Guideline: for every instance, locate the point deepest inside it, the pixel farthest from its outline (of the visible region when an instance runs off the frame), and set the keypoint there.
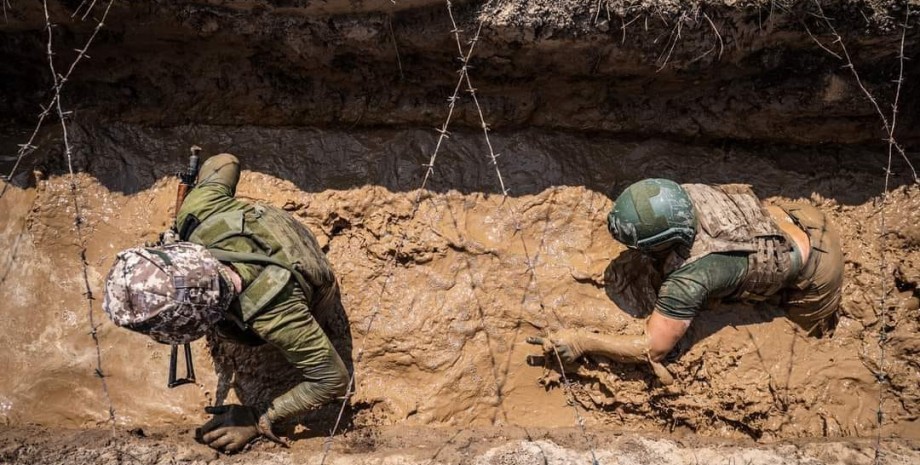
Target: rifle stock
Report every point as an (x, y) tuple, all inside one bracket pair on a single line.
[(181, 192)]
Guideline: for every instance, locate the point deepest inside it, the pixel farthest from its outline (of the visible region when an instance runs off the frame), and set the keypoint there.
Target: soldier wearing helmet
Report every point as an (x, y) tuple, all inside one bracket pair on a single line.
[(252, 274), (715, 242)]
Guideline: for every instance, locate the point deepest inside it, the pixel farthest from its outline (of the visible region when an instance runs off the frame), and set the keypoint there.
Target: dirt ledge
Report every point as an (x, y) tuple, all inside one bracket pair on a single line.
[(691, 69), (379, 446)]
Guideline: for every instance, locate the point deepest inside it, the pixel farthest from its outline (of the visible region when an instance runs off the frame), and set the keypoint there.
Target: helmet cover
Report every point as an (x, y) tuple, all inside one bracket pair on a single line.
[(172, 293)]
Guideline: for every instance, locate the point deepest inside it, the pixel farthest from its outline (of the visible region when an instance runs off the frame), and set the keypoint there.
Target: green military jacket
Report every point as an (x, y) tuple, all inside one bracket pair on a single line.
[(282, 269)]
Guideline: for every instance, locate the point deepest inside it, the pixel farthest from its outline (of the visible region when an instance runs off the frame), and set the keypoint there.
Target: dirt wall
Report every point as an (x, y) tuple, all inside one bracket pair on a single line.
[(753, 70)]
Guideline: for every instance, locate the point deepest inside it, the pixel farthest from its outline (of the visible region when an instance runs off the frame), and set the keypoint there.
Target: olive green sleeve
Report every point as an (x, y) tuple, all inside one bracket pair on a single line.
[(288, 325)]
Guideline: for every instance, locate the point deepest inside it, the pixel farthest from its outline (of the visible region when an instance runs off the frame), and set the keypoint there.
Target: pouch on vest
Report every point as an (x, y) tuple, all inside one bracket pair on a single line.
[(286, 249), (732, 219)]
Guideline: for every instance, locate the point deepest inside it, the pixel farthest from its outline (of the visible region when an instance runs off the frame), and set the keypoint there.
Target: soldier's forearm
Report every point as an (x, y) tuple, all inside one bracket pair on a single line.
[(307, 396), (623, 349), (289, 326), (663, 334)]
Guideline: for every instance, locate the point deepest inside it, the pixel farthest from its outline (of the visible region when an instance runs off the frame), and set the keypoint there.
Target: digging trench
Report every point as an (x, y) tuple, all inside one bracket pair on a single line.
[(331, 106)]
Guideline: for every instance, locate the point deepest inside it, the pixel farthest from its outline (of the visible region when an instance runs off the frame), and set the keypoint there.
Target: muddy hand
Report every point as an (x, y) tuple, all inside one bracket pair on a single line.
[(563, 343), (231, 429)]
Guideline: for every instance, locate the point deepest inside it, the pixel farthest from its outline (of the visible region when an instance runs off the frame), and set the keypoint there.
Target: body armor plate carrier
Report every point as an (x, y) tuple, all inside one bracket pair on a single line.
[(286, 249), (732, 219)]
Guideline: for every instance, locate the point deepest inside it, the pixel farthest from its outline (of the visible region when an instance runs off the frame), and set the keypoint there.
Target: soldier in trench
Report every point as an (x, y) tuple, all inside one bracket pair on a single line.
[(250, 273), (714, 243)]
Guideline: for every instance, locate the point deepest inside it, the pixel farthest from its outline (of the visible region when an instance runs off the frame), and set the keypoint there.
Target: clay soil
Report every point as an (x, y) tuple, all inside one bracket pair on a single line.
[(442, 286), (447, 344)]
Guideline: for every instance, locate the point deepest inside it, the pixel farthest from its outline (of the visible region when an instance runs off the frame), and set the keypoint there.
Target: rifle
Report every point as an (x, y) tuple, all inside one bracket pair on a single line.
[(186, 182)]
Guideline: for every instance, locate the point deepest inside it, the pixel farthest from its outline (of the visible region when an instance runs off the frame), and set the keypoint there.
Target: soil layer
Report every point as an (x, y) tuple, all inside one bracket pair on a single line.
[(713, 69), (437, 446)]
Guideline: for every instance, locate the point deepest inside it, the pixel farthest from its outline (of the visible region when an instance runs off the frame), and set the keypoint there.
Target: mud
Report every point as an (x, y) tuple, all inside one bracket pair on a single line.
[(435, 446), (448, 344)]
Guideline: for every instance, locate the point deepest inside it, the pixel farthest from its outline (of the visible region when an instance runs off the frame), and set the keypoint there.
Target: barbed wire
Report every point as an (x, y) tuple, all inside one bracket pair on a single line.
[(472, 91), (59, 80), (881, 376), (389, 267), (78, 215), (515, 215), (886, 124)]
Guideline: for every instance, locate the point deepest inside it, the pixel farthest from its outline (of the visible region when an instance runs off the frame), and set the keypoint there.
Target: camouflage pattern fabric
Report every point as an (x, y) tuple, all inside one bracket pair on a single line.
[(305, 324), (732, 219), (172, 293)]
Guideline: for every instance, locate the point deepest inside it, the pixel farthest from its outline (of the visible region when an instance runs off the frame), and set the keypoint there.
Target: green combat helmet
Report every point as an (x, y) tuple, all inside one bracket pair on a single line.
[(653, 215), (172, 293)]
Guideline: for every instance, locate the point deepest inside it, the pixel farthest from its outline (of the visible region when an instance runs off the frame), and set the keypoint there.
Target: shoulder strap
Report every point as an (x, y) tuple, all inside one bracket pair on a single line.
[(248, 257)]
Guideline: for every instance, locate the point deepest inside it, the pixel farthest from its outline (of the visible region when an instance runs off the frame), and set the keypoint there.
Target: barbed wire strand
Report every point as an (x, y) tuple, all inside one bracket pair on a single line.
[(87, 12), (443, 134), (579, 420), (881, 376), (29, 147), (889, 125), (78, 215), (78, 225), (472, 91), (886, 124)]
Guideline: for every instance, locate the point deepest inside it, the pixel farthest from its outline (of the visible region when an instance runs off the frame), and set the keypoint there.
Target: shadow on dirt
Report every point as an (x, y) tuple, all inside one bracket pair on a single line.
[(129, 159)]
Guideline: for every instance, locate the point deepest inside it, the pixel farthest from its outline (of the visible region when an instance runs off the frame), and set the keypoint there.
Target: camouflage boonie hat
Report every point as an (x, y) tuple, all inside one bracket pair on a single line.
[(172, 293)]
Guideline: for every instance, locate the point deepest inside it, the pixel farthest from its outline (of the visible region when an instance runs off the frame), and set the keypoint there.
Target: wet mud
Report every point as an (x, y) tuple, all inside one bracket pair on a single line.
[(447, 346)]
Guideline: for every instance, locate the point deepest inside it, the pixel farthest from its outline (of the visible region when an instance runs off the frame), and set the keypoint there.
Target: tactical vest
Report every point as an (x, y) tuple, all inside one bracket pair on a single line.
[(732, 219), (286, 249)]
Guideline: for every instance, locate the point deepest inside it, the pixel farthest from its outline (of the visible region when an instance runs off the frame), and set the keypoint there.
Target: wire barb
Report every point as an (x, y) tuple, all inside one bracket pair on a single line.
[(29, 147), (79, 222), (889, 125)]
